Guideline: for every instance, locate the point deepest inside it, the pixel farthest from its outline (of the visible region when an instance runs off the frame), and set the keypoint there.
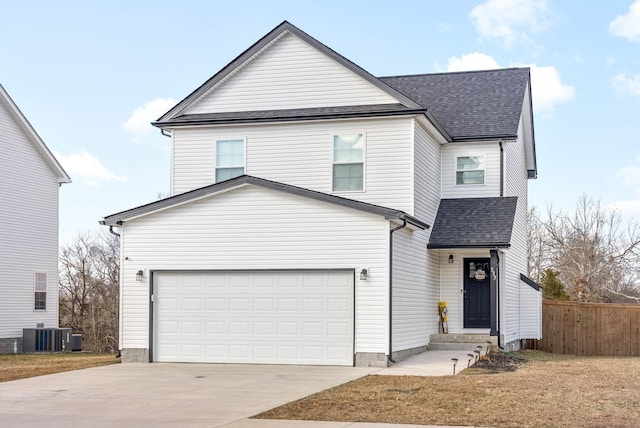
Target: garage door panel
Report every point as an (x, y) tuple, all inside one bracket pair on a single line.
[(263, 304), (302, 317)]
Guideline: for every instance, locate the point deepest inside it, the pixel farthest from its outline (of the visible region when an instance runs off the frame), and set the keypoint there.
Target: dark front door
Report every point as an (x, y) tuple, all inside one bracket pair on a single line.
[(477, 313)]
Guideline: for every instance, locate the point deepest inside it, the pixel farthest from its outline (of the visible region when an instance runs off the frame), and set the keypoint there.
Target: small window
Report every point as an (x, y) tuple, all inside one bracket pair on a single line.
[(348, 162), (229, 159), (40, 289), (470, 170)]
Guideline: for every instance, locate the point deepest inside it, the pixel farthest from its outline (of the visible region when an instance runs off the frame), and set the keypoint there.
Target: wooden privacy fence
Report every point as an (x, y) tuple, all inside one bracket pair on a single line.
[(590, 328)]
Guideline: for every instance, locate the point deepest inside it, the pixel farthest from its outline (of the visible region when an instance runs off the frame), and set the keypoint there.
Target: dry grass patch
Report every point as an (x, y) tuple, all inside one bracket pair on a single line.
[(20, 366), (542, 391)]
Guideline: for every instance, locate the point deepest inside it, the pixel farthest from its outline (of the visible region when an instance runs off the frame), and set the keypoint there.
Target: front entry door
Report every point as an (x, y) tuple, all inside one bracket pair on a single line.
[(477, 312)]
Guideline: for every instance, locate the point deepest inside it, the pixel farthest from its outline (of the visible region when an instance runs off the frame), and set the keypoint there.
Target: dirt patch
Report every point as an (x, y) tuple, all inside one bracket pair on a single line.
[(20, 366), (496, 363), (541, 392)]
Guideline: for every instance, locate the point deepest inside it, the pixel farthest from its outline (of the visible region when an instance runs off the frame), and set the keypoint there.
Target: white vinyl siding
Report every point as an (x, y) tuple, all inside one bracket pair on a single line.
[(252, 228), (415, 290), (29, 231), (290, 74), (300, 154), (451, 152), (530, 313), (416, 270), (516, 182)]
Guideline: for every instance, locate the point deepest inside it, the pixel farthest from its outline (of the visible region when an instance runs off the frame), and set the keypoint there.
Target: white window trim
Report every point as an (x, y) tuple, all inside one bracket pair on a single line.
[(215, 155), (364, 161), (455, 169), (37, 289)]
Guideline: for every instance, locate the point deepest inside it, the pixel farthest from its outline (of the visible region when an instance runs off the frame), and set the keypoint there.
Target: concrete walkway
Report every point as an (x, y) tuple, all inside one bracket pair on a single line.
[(193, 395), (430, 363)]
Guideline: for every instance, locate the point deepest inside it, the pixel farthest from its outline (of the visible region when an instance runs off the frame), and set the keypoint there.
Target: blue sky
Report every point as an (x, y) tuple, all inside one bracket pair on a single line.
[(89, 76)]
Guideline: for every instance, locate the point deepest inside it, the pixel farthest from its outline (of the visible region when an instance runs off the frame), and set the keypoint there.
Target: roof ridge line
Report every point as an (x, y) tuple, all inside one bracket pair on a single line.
[(454, 72)]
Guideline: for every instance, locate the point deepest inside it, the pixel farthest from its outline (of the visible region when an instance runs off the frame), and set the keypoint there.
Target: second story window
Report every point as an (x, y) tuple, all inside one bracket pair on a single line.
[(348, 162), (229, 159), (470, 170)]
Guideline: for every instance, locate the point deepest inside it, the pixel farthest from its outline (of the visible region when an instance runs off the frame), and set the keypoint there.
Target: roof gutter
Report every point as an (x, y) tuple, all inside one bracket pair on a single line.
[(501, 168), (505, 138), (328, 116), (112, 232), (494, 295), (490, 245)]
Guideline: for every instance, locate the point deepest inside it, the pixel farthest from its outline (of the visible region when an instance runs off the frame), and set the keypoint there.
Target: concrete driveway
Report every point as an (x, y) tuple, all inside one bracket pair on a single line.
[(158, 395)]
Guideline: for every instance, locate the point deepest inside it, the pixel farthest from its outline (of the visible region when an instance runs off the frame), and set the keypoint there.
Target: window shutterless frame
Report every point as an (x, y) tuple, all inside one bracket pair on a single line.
[(348, 154), (230, 158), (40, 291), (470, 169)]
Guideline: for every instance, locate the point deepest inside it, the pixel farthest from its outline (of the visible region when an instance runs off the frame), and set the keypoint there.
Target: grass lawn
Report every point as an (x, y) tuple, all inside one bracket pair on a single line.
[(20, 366), (525, 389)]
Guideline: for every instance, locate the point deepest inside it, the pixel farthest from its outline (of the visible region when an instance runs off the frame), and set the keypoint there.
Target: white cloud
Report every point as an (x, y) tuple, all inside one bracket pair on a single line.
[(627, 25), (628, 210), (139, 123), (472, 61), (631, 176), (511, 20), (546, 84), (87, 169), (627, 84), (548, 89)]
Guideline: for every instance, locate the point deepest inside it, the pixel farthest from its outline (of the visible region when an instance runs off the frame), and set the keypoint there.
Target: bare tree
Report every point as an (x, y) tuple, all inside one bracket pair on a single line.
[(537, 243), (591, 251), (89, 290)]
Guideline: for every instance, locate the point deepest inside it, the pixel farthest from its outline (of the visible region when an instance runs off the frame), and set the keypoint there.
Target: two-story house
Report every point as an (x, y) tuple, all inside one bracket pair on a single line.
[(319, 214), (30, 177)]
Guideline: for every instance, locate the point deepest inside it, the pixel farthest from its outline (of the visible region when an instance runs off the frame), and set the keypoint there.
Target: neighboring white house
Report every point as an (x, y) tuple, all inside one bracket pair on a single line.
[(30, 177), (319, 214)]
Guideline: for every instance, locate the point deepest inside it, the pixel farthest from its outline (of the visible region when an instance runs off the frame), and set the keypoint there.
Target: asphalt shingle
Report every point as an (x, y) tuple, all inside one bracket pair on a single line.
[(473, 223), (472, 104)]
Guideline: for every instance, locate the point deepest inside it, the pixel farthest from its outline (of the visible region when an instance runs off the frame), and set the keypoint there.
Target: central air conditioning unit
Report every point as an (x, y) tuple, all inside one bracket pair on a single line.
[(46, 340)]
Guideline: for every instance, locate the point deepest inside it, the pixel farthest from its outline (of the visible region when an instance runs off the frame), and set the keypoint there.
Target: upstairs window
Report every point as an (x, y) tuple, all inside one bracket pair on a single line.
[(348, 162), (229, 159), (40, 291), (470, 170)]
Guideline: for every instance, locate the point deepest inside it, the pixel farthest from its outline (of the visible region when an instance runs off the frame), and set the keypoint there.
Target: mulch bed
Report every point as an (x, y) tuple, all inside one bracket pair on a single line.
[(496, 363)]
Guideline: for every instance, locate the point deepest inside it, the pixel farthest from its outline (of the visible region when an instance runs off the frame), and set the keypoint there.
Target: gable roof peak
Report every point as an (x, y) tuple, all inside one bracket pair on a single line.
[(33, 137), (263, 43)]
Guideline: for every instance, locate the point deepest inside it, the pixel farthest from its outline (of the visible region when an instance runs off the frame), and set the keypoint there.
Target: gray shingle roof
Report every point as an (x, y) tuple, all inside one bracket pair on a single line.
[(473, 223), (472, 104), (388, 213)]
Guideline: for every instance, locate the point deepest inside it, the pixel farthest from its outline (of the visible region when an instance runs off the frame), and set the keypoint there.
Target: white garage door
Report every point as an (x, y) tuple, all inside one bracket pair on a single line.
[(283, 317)]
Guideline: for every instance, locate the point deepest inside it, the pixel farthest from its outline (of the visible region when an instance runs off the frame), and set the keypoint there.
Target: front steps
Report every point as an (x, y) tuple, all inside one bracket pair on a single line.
[(461, 342)]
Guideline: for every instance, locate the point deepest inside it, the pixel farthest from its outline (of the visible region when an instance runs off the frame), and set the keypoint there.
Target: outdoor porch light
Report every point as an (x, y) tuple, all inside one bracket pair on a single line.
[(139, 275), (363, 274), (450, 258)]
